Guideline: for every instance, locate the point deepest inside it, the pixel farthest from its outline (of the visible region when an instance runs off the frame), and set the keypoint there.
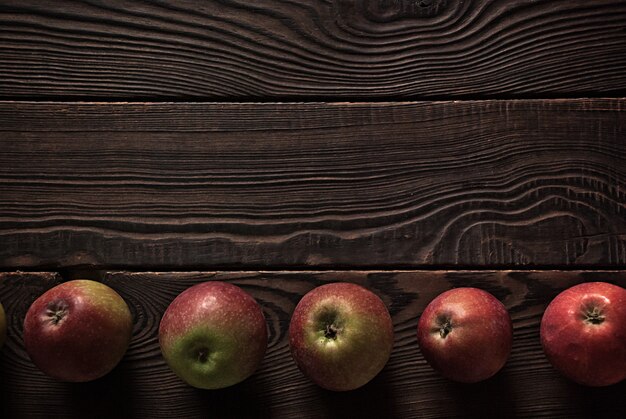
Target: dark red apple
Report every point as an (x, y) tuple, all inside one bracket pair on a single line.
[(77, 331), (213, 335), (466, 334), (583, 333), (341, 336)]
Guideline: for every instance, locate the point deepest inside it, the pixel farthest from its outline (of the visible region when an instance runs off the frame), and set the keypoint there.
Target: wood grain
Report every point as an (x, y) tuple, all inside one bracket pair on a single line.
[(179, 49), (142, 386), (201, 186)]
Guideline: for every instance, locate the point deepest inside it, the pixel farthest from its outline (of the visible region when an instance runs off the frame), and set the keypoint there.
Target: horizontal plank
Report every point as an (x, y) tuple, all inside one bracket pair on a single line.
[(471, 183), (142, 386), (205, 186), (311, 48)]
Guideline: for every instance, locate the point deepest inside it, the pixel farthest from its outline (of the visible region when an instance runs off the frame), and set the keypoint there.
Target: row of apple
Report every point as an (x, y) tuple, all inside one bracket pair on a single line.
[(214, 335)]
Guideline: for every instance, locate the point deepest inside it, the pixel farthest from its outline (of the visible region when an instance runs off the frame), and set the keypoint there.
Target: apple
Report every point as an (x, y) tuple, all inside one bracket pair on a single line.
[(583, 333), (466, 334), (213, 335), (3, 326), (77, 331), (340, 336)]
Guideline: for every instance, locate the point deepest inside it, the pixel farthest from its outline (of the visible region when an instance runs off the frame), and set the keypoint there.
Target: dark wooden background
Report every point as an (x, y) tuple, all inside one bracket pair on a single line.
[(408, 145), (268, 49)]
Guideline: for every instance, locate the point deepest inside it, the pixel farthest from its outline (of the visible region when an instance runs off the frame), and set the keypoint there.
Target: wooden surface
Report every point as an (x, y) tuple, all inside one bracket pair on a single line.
[(331, 164), (179, 49), (142, 386), (199, 186)]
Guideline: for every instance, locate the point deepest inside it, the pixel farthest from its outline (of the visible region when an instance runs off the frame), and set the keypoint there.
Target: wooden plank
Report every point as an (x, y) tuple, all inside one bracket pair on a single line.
[(200, 186), (311, 48), (142, 385)]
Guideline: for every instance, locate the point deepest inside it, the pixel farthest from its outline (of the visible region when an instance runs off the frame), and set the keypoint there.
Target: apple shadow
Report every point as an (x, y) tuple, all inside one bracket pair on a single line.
[(107, 397), (244, 400), (493, 397), (5, 393), (373, 400), (117, 396), (597, 402)]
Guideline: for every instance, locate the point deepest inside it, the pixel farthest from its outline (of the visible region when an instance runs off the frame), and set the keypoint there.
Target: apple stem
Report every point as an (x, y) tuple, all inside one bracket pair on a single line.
[(331, 331), (445, 329), (56, 317), (56, 311), (594, 316), (203, 355)]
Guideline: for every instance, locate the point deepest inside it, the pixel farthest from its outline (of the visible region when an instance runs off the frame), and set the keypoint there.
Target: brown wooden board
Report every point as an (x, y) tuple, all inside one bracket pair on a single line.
[(371, 185), (142, 386), (263, 49)]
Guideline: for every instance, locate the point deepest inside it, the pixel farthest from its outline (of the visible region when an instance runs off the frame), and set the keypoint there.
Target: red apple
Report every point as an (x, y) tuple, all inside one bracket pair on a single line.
[(341, 336), (213, 335), (466, 334), (77, 331), (583, 333), (3, 326)]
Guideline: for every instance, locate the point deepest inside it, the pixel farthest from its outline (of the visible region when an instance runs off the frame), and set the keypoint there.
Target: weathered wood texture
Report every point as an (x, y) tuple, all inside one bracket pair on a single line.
[(311, 48), (142, 385), (202, 186)]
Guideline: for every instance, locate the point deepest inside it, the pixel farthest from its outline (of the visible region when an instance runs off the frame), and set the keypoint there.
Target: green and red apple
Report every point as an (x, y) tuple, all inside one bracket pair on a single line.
[(341, 336), (583, 333), (213, 335), (77, 331)]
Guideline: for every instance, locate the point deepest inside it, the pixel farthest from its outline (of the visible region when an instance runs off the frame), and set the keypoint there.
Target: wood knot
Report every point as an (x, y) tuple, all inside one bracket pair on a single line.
[(391, 10)]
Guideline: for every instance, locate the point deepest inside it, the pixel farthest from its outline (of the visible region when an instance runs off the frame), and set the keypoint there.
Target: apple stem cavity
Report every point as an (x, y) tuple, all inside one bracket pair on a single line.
[(203, 355), (331, 332), (329, 323), (445, 328), (56, 311), (593, 315)]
